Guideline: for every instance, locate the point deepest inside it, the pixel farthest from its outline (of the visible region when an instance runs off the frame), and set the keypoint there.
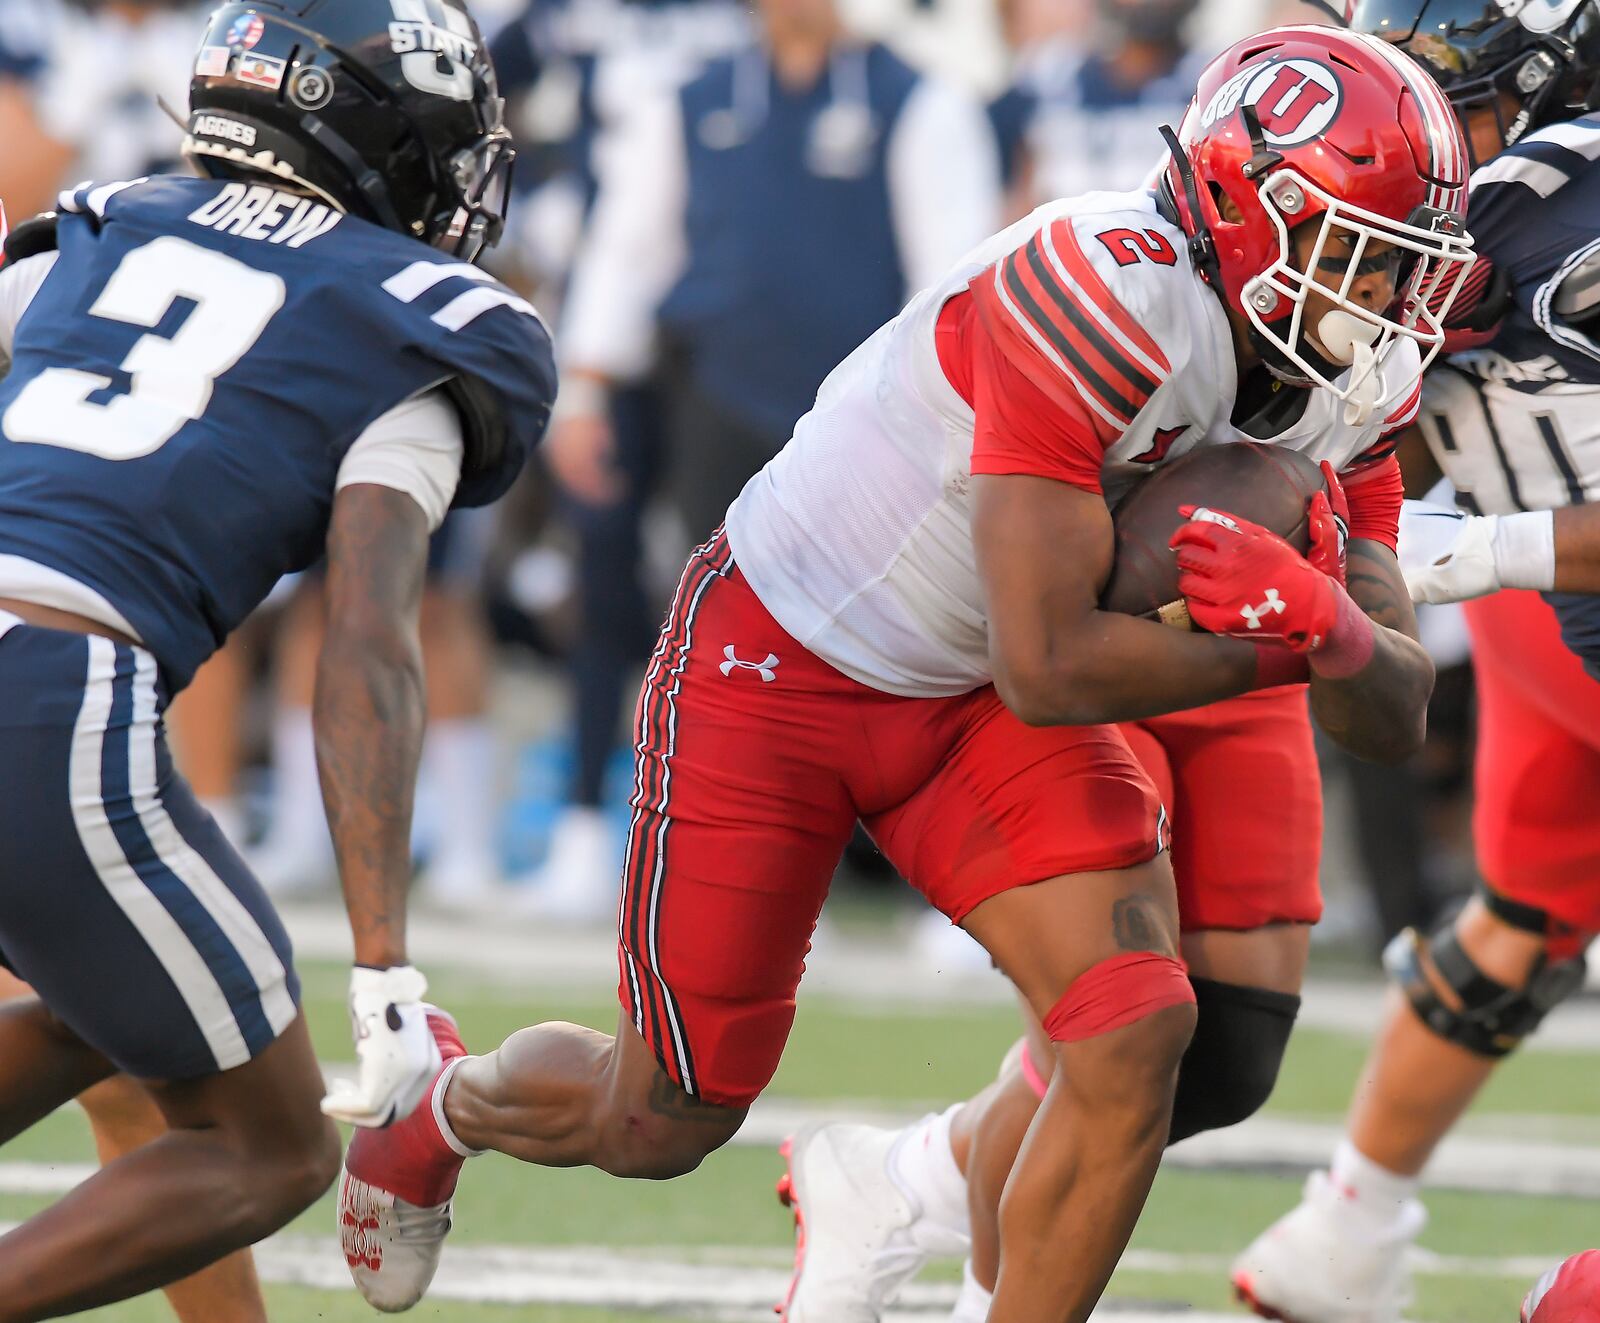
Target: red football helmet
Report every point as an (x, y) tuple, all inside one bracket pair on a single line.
[(1567, 1294), (1302, 125)]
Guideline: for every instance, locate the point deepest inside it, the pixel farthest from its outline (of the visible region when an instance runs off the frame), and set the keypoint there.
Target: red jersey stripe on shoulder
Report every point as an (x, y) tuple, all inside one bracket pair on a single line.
[(1061, 242), (1035, 354), (1055, 313)]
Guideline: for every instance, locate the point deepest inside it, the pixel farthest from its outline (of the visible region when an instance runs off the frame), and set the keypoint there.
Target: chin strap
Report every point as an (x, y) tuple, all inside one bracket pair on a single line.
[(1202, 247)]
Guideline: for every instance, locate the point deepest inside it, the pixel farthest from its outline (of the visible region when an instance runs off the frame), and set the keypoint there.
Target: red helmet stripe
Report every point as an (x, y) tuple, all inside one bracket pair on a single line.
[(1447, 161)]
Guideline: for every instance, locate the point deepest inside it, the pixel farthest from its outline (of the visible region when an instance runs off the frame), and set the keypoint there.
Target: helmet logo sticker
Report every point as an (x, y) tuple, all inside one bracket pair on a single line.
[(246, 31), (436, 46), (1296, 100), (311, 88)]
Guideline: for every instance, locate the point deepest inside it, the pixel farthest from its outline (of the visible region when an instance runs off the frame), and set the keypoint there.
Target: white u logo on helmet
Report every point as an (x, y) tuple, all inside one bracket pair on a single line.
[(1295, 99), (426, 45)]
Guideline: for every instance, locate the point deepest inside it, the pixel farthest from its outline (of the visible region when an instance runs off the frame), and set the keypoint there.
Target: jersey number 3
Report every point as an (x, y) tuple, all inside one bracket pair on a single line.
[(168, 376)]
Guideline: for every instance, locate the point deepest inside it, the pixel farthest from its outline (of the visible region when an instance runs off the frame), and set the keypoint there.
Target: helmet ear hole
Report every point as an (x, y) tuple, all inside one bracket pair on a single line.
[(1226, 207)]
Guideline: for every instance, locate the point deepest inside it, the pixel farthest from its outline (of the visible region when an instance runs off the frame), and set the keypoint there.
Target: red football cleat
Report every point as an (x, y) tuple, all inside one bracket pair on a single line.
[(394, 1193)]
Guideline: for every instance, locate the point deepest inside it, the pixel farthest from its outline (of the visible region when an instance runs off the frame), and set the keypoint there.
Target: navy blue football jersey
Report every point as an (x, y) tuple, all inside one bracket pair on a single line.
[(1516, 426), (1535, 211), (190, 375)]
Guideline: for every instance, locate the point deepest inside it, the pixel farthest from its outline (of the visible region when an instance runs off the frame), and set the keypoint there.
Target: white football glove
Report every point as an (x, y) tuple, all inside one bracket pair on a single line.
[(394, 1048), (1447, 556)]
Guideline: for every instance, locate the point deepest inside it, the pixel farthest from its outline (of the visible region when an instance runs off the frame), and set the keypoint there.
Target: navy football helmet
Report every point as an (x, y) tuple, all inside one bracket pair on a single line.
[(1545, 53), (388, 109)]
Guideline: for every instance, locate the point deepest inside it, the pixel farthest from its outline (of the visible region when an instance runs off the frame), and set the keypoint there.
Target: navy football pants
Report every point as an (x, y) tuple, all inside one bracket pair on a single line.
[(120, 900)]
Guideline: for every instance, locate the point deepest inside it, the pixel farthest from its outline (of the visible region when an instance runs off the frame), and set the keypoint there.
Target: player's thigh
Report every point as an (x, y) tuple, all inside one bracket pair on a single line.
[(121, 902), (740, 815), (1246, 806), (1006, 806), (1536, 782)]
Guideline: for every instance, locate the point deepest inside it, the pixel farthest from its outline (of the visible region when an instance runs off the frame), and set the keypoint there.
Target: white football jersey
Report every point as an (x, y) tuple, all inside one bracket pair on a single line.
[(857, 536)]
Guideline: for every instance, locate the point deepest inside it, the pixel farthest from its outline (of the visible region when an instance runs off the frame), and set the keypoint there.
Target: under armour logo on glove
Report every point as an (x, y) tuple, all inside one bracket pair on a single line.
[(767, 670), (1255, 614)]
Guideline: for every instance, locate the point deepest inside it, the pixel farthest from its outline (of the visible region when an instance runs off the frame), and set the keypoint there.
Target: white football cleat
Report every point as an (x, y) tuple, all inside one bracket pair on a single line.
[(392, 1247), (1330, 1261), (854, 1247)]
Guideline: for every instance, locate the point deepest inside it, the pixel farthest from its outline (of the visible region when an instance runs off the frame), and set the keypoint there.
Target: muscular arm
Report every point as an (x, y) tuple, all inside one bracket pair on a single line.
[(369, 707), (1381, 712), (1044, 553)]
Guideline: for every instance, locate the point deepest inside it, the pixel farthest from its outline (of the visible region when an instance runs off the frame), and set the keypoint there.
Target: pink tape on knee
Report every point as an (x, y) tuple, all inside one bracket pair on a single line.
[(1117, 992), (1038, 1081)]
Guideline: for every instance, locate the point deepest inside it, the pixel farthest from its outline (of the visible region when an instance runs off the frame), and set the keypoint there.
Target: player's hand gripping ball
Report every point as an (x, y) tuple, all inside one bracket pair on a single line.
[(1569, 1293), (1245, 581), (1266, 485)]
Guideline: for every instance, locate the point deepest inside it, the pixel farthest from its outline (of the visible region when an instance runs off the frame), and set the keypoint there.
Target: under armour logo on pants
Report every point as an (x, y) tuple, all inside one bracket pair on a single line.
[(767, 669)]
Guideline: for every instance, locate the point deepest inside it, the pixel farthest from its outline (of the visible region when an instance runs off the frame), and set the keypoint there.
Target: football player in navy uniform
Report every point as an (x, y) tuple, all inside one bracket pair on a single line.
[(212, 381), (1512, 422)]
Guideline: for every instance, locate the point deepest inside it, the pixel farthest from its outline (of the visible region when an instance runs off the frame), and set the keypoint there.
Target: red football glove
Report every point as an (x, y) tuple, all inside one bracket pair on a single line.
[(1245, 581), (1328, 517)]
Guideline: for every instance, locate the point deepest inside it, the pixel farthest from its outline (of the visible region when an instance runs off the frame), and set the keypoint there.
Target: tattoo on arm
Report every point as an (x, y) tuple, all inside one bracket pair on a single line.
[(369, 706), (1375, 584)]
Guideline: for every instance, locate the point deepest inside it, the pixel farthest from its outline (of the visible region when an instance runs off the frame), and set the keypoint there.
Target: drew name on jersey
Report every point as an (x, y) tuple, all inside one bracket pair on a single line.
[(257, 211)]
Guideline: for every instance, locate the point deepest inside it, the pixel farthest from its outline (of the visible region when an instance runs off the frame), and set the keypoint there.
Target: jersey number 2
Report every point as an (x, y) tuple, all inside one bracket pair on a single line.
[(1130, 246), (169, 377)]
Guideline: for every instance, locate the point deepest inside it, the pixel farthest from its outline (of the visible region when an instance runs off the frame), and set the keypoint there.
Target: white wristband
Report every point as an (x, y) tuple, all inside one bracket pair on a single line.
[(1525, 550)]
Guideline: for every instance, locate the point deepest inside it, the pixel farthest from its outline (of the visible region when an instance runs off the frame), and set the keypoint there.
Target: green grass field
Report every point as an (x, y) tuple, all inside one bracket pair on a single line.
[(841, 1052)]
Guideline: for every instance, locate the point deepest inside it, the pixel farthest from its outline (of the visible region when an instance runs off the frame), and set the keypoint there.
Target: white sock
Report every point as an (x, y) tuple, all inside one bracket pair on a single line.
[(446, 1130), (460, 757), (1376, 1191), (925, 1168), (972, 1305), (299, 823)]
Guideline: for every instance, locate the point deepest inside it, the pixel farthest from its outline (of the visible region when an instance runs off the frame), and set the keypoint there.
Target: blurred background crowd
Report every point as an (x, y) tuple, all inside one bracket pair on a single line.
[(718, 200)]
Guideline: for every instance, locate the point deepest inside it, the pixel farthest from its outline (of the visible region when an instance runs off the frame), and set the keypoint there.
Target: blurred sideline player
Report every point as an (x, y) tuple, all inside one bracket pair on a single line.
[(1077, 120), (900, 625), (1512, 424), (211, 378)]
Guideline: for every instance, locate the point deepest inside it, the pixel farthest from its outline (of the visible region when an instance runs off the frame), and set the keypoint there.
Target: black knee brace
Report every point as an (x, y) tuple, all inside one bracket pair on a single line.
[(1483, 1015), (1240, 1035)]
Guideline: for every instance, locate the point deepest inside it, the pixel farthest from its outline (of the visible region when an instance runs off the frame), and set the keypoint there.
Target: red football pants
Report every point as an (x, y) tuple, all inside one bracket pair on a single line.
[(1538, 761), (754, 760)]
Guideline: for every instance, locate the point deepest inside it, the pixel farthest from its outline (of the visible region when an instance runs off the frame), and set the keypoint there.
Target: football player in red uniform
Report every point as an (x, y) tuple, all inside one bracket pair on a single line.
[(900, 625)]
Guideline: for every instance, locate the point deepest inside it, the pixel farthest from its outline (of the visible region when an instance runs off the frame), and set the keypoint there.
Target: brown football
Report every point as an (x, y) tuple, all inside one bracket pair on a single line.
[(1267, 485)]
